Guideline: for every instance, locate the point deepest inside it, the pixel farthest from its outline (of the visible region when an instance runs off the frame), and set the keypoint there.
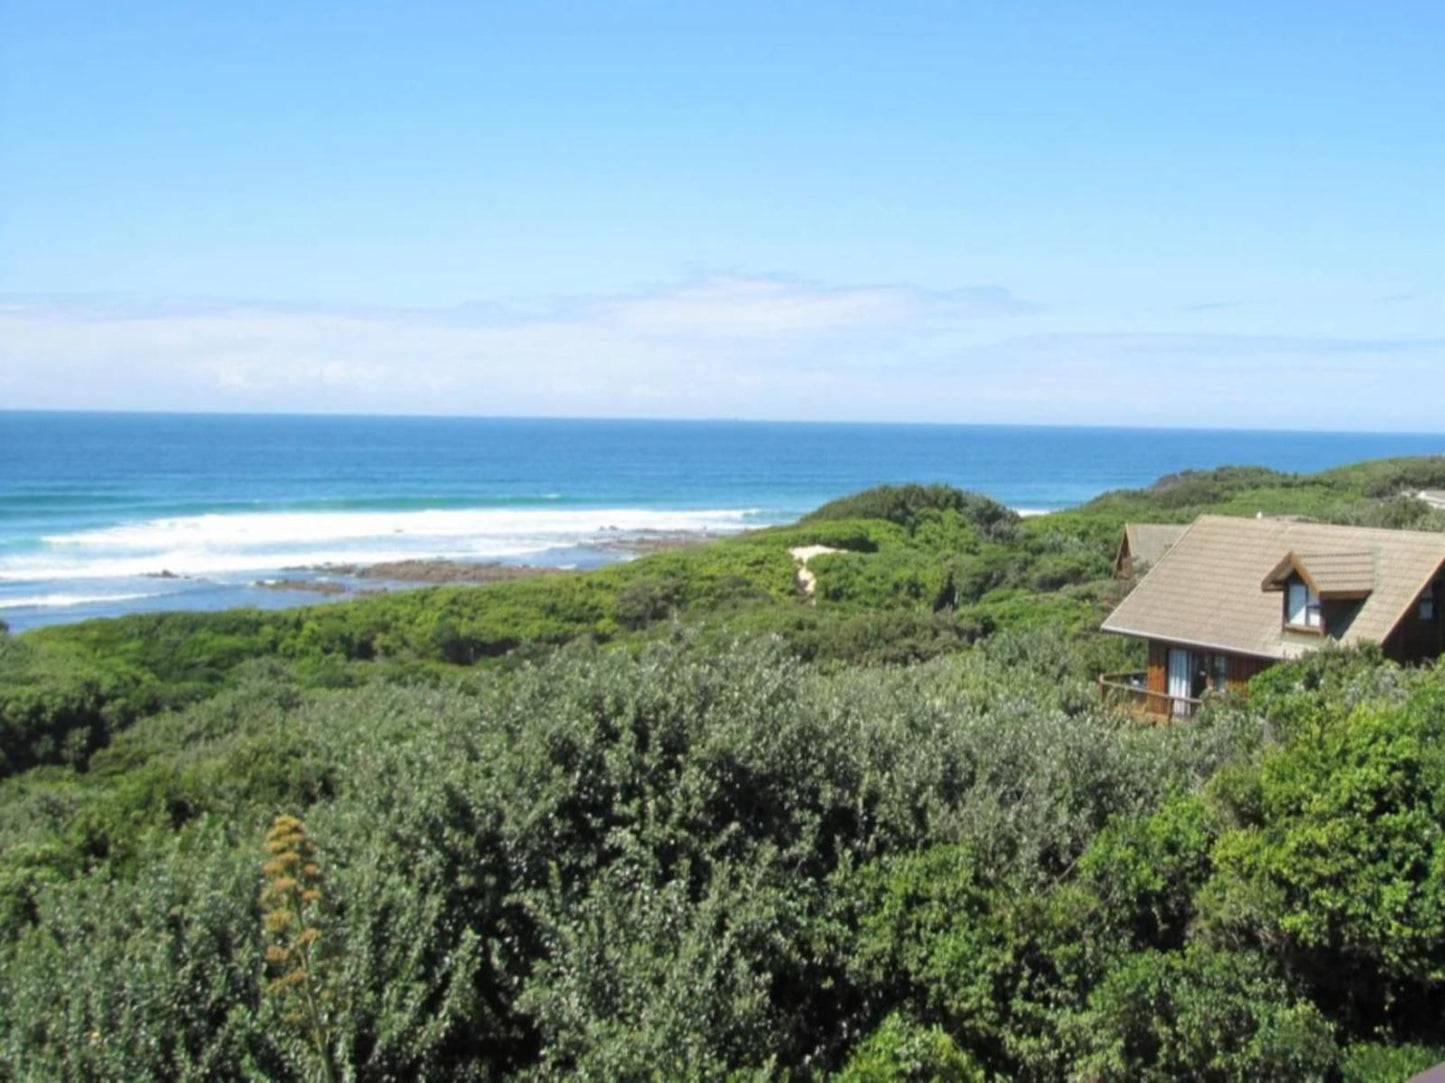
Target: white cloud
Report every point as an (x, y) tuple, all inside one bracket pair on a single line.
[(1227, 381), (722, 346), (774, 307), (666, 349)]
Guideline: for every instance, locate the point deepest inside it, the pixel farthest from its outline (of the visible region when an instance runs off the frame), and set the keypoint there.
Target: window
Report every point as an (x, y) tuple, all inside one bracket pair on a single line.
[(1427, 607), (1303, 606), (1221, 673)]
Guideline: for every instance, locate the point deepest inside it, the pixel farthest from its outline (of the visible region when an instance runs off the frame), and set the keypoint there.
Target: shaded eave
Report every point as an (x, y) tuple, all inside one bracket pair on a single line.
[(1223, 648), (1405, 612)]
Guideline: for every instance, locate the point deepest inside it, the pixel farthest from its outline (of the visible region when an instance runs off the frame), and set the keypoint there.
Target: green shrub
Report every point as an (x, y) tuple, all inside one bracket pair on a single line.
[(645, 600), (1202, 1014), (912, 505), (1338, 862), (902, 1050), (1379, 1062)]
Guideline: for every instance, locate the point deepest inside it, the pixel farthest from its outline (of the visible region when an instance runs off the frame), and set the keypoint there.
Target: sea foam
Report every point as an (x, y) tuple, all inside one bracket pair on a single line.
[(215, 544), (62, 601)]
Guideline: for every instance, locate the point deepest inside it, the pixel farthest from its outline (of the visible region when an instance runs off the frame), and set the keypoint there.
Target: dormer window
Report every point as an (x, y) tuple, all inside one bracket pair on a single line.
[(1302, 606), (1308, 579)]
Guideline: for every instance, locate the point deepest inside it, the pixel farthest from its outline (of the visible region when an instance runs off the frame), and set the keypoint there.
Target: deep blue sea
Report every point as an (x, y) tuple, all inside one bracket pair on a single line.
[(95, 507)]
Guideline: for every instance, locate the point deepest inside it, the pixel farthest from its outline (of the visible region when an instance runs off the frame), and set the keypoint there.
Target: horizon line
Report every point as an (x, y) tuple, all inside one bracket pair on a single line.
[(635, 419)]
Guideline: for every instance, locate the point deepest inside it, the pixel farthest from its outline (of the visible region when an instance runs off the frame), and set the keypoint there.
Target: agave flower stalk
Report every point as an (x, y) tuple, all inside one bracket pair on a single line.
[(291, 923)]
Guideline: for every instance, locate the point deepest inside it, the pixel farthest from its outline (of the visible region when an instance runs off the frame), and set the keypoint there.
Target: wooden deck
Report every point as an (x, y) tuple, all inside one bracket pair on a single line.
[(1130, 692)]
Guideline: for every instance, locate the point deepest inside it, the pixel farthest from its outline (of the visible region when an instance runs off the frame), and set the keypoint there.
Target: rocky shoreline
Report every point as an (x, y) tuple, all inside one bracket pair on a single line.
[(337, 579), (645, 542), (313, 586), (438, 570)]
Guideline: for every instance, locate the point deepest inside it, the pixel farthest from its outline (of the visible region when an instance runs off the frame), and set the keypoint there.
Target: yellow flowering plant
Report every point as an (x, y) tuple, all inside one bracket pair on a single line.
[(292, 901)]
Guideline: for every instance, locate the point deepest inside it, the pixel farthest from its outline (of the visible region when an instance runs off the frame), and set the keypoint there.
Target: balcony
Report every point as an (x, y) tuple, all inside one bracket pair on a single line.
[(1130, 692)]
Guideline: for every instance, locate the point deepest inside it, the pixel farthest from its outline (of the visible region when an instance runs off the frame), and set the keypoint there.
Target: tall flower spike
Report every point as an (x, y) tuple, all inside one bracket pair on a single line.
[(291, 926)]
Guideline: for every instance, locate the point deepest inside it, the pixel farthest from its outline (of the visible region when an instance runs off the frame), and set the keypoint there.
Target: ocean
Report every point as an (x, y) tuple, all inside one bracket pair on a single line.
[(104, 514)]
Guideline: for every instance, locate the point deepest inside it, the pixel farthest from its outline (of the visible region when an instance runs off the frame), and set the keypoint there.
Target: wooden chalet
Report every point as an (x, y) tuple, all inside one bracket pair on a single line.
[(1233, 596), (1143, 544)]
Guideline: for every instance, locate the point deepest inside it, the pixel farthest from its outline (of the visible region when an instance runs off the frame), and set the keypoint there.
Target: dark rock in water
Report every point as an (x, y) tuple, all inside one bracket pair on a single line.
[(439, 570), (315, 586), (435, 570), (643, 542), (451, 571), (164, 573)]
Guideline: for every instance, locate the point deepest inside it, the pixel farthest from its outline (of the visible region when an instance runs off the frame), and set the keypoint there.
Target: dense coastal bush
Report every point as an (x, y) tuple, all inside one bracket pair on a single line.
[(690, 862), (674, 820), (913, 506)]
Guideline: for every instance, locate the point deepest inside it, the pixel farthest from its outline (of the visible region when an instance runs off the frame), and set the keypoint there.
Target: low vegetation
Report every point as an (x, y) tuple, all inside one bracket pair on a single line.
[(674, 820)]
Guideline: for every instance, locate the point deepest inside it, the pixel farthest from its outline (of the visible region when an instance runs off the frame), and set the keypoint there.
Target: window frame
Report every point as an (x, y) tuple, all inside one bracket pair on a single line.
[(1311, 608)]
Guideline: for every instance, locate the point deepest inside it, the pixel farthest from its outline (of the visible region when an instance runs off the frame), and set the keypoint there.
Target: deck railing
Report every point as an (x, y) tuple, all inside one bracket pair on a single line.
[(1131, 692)]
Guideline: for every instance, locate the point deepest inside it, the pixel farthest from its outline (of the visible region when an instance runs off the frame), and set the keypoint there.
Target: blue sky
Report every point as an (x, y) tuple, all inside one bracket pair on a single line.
[(1117, 213)]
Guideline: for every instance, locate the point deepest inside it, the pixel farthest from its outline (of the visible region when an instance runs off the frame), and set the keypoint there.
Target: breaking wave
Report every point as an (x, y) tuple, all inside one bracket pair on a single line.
[(215, 544), (61, 601)]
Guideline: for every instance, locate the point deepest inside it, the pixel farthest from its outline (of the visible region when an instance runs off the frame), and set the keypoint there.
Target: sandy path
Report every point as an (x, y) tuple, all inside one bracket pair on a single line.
[(807, 581)]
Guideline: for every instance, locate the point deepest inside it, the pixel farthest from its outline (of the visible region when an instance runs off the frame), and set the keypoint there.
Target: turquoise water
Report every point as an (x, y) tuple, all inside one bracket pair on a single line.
[(94, 506)]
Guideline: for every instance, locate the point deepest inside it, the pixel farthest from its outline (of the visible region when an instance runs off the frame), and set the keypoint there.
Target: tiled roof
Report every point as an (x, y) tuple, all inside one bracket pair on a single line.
[(1330, 575), (1209, 589), (1149, 541)]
